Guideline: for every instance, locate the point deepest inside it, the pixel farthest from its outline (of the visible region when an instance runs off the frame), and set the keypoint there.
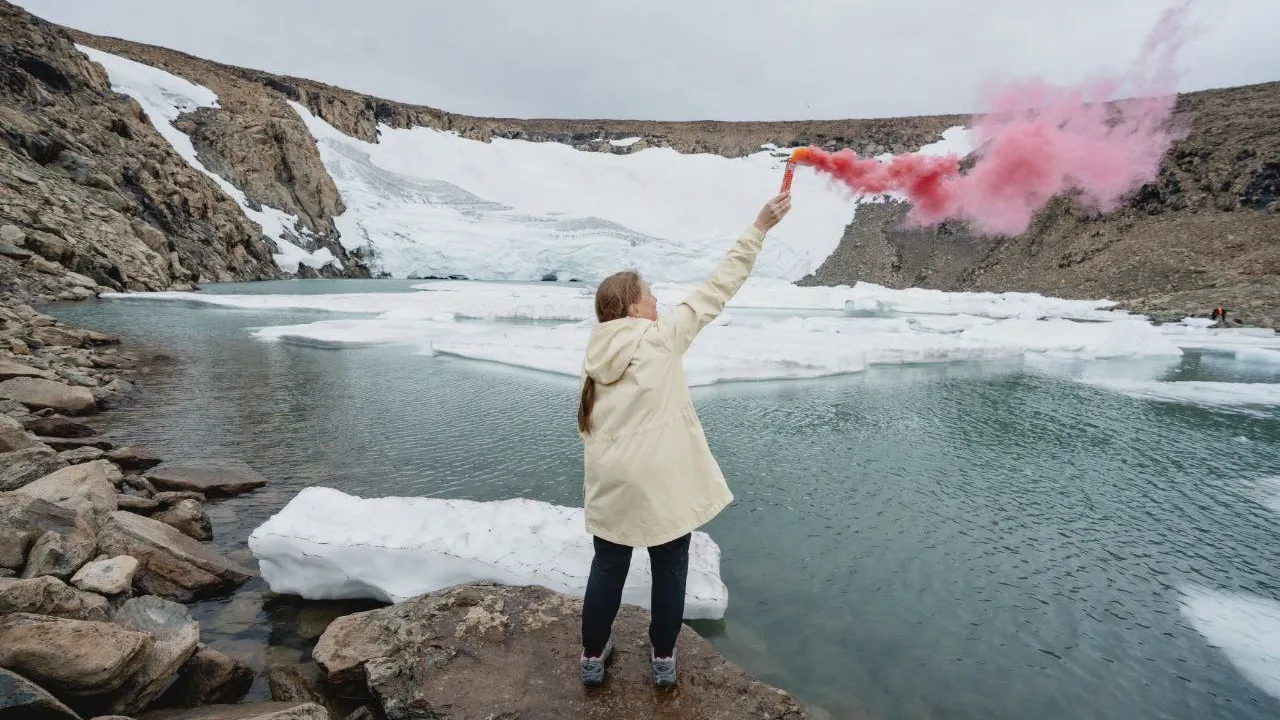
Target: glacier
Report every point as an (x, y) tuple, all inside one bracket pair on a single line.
[(328, 545)]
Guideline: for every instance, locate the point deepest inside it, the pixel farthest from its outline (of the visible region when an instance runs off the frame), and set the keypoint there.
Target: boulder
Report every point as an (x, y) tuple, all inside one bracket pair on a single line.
[(15, 437), (221, 480), (247, 711), (208, 678), (38, 393), (87, 488), (81, 455), (136, 503), (189, 518), (487, 651), (55, 336), (43, 538), (61, 444), (10, 369), (171, 564), (108, 576), (176, 638), (173, 497), (22, 699), (20, 467), (50, 596), (290, 684), (133, 459), (58, 426), (71, 658)]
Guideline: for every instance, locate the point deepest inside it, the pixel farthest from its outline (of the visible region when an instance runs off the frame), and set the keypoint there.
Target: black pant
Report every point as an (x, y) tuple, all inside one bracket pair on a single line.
[(670, 565)]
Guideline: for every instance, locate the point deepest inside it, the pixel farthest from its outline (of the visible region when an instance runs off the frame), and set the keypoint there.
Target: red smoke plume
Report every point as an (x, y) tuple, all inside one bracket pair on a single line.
[(1038, 141)]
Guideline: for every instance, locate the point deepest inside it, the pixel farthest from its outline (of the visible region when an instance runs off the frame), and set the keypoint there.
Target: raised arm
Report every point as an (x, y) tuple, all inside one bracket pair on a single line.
[(706, 302)]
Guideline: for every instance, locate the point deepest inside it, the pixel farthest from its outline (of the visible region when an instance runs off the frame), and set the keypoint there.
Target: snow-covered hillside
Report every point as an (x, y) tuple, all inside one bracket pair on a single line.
[(422, 202)]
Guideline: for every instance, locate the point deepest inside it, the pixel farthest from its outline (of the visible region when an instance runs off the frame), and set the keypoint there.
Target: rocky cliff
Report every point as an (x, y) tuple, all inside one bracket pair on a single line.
[(1205, 234), (91, 196)]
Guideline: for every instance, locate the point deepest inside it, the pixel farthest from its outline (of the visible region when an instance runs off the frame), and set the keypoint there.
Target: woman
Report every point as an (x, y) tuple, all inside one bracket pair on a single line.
[(650, 478)]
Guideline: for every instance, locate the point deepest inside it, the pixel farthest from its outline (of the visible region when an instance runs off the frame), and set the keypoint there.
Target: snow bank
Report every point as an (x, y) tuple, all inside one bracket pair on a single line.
[(1246, 628), (1242, 397), (164, 97), (327, 545), (432, 202)]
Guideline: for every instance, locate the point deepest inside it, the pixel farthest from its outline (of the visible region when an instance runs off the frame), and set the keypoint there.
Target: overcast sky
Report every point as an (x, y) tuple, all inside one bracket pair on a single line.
[(687, 59)]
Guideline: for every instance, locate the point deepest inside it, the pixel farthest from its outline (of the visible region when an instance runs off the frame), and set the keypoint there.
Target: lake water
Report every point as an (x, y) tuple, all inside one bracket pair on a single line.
[(980, 541)]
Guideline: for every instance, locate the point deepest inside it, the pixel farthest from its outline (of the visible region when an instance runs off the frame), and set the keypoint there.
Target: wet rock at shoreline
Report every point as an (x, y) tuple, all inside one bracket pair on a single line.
[(224, 479), (171, 565), (50, 596), (21, 698), (38, 393), (133, 459), (108, 576), (176, 638), (58, 426), (81, 455), (189, 518), (208, 678), (137, 504), (483, 651)]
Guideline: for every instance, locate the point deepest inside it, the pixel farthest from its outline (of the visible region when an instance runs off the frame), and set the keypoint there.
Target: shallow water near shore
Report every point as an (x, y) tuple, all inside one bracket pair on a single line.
[(945, 541)]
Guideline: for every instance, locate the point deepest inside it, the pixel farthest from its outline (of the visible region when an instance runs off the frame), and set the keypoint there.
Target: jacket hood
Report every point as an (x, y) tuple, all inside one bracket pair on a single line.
[(611, 347)]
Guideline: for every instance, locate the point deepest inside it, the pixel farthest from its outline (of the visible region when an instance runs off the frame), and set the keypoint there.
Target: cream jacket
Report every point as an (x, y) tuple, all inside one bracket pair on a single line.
[(649, 474)]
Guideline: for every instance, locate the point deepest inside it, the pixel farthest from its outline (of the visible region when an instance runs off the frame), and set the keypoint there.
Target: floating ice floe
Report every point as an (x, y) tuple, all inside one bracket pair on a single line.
[(1245, 627), (328, 545)]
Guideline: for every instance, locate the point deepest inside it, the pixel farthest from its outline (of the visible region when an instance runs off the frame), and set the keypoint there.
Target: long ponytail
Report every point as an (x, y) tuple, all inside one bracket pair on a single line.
[(614, 296), (585, 402)]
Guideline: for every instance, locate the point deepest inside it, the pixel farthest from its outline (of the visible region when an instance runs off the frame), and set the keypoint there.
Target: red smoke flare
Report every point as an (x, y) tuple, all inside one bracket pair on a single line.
[(1037, 142)]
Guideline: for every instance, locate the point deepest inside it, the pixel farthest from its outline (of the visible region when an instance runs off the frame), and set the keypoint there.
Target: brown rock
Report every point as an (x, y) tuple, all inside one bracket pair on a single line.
[(81, 455), (208, 678), (58, 426), (22, 699), (39, 393), (137, 504), (172, 497), (20, 467), (10, 369), (43, 537), (72, 658), (86, 488), (189, 518), (133, 459), (176, 637), (61, 444), (172, 565), (14, 437), (290, 684), (222, 480), (108, 576), (50, 596), (58, 337), (247, 711), (483, 651)]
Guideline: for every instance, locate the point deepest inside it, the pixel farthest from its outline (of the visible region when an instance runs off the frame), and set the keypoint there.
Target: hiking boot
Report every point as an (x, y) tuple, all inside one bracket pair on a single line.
[(664, 670), (592, 669)]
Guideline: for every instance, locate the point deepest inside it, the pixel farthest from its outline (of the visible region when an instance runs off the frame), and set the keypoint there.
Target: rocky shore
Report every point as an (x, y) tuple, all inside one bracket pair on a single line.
[(102, 548)]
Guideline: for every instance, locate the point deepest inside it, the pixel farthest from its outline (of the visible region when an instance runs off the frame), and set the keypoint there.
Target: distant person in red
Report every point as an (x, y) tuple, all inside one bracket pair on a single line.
[(1219, 314)]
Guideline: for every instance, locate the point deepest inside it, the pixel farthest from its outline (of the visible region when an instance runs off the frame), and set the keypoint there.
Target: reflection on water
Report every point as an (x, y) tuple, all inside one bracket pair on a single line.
[(955, 541)]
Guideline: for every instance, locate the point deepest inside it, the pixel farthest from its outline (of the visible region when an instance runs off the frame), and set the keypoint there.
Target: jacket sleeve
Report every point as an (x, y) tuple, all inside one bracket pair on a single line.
[(706, 302)]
